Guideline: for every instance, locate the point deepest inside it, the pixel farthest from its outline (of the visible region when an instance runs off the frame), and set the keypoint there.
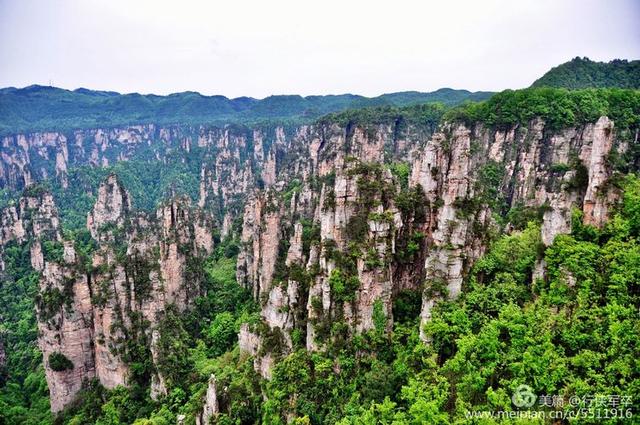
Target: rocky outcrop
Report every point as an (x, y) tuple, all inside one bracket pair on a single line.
[(112, 207), (65, 328), (210, 409), (63, 302), (186, 235), (317, 245), (256, 265), (233, 160), (335, 223), (95, 305), (594, 155), (34, 218), (28, 158), (550, 172), (349, 239)]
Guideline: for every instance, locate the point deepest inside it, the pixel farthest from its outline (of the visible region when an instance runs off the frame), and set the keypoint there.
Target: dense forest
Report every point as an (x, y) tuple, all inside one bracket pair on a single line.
[(571, 339), (581, 73), (41, 108)]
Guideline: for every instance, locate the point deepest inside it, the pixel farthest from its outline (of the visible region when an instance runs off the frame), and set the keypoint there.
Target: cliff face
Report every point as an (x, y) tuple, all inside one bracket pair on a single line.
[(527, 168), (337, 237), (28, 158), (336, 224), (231, 160), (97, 302), (32, 218)]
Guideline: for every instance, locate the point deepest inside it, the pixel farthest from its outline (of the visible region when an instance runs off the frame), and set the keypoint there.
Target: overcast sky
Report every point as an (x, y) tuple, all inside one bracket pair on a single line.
[(258, 48)]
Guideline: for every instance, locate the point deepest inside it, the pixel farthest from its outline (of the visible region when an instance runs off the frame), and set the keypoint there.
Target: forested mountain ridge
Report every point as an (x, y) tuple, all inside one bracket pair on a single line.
[(42, 108), (582, 73), (394, 264)]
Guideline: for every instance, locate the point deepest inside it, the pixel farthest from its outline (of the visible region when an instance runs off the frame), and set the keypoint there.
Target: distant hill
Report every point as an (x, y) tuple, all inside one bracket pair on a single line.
[(37, 108), (581, 73)]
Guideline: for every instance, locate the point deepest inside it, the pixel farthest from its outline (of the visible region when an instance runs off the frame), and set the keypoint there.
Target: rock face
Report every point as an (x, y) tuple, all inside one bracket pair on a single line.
[(318, 243), (141, 263), (33, 218), (334, 238), (210, 408), (111, 208), (67, 330), (336, 222), (92, 303), (28, 158), (233, 159)]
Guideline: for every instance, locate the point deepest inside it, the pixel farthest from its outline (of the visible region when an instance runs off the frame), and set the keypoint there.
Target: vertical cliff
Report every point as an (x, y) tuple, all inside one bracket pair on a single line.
[(366, 213), (337, 223), (101, 297)]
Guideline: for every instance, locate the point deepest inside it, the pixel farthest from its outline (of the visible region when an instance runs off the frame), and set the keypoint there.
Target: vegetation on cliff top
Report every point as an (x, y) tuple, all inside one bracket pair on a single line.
[(41, 108), (582, 73), (559, 108)]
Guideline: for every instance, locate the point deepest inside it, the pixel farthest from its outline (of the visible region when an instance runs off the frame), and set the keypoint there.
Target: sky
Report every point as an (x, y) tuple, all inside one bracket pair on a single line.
[(258, 48)]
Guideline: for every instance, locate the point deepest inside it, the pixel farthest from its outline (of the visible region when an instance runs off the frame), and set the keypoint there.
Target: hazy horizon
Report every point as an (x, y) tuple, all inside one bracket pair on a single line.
[(239, 97), (256, 49)]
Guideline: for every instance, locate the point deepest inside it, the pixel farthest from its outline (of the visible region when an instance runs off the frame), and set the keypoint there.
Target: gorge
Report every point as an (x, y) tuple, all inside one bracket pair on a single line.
[(381, 243)]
